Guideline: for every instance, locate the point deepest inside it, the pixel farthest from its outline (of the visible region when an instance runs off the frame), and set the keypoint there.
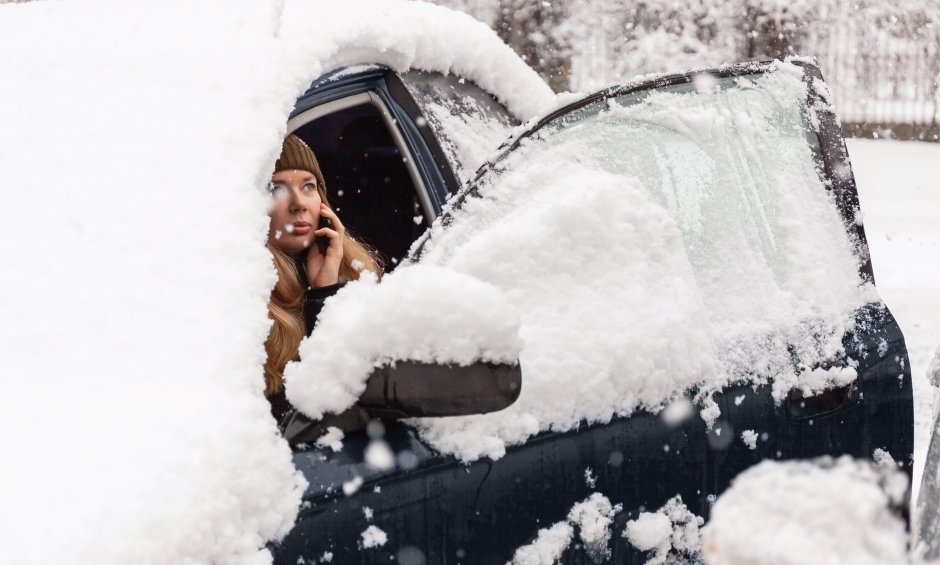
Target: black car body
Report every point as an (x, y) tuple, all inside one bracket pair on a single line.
[(436, 509)]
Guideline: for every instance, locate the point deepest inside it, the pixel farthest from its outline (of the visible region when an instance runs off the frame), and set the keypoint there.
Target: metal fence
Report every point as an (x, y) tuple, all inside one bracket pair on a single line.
[(881, 58), (883, 69)]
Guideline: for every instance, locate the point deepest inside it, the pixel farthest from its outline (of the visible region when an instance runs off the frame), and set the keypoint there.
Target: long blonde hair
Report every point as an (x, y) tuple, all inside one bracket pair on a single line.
[(285, 308)]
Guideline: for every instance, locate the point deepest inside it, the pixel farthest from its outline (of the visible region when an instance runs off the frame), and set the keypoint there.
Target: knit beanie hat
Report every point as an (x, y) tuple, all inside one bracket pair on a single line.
[(296, 155)]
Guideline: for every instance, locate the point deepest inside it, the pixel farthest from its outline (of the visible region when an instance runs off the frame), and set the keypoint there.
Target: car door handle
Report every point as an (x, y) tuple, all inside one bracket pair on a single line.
[(800, 407)]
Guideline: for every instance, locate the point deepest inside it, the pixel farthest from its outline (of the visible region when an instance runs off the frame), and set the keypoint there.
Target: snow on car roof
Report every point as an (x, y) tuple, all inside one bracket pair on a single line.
[(136, 140), (413, 35)]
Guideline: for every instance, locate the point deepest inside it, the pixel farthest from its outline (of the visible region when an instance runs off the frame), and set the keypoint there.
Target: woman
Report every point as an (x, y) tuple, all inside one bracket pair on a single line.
[(306, 276)]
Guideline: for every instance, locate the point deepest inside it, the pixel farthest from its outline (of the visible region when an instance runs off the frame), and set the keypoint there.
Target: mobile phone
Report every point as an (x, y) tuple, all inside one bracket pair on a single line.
[(321, 240)]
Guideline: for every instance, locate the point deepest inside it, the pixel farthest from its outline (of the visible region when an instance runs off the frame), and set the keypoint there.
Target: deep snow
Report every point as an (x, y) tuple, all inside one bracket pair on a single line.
[(136, 141)]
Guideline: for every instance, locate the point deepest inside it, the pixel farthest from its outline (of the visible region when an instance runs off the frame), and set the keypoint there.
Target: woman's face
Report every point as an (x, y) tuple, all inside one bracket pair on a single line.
[(295, 210)]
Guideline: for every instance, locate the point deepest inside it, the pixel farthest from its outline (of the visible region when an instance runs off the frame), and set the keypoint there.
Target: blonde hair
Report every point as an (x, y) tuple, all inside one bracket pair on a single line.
[(286, 306)]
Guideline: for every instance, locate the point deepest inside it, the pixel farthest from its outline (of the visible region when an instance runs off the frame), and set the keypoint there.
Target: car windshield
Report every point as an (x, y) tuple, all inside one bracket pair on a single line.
[(737, 165)]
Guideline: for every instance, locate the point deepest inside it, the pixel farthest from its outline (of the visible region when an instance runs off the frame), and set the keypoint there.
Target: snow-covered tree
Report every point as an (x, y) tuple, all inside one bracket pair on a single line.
[(774, 29), (652, 35), (882, 59), (533, 30)]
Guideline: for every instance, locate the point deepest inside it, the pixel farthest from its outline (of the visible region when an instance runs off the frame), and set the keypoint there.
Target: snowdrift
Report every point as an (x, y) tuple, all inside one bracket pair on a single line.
[(135, 141)]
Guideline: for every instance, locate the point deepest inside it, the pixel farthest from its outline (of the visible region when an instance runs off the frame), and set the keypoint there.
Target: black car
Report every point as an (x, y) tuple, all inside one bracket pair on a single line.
[(384, 133)]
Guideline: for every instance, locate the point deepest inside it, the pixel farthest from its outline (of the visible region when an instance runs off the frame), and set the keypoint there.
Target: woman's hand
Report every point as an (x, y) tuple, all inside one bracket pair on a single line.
[(323, 269)]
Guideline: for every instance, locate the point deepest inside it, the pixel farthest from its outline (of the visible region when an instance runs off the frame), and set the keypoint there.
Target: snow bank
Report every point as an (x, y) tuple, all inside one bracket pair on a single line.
[(837, 511), (135, 281), (681, 241), (412, 315), (132, 227)]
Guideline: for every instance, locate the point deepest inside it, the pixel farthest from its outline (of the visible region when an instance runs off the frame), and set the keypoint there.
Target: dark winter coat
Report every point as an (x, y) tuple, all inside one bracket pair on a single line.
[(313, 303)]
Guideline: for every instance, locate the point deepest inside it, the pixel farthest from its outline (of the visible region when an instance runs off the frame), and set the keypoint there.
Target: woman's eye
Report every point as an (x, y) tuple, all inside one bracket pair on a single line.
[(277, 190), (310, 187)]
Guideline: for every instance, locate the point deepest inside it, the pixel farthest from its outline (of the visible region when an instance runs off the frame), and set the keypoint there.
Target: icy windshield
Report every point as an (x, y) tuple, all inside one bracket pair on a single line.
[(729, 163)]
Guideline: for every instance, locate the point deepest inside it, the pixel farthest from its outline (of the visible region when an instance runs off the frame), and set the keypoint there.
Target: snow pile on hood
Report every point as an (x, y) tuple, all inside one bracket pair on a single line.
[(682, 240), (837, 511), (411, 315), (135, 143)]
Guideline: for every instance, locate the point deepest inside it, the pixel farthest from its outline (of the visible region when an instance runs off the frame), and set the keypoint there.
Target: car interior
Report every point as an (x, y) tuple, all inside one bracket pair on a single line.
[(367, 179)]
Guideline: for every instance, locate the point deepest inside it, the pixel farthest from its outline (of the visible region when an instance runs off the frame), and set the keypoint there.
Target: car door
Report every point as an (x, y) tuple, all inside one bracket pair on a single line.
[(431, 507)]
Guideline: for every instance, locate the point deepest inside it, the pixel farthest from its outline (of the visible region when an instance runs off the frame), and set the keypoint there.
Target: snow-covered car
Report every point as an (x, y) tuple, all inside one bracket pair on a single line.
[(767, 120), (678, 264)]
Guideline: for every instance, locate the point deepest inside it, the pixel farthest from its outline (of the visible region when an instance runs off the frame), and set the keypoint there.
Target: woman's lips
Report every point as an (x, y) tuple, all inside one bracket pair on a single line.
[(299, 228)]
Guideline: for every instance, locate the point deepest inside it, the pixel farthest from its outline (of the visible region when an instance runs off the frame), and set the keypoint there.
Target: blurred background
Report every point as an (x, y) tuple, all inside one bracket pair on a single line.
[(881, 58)]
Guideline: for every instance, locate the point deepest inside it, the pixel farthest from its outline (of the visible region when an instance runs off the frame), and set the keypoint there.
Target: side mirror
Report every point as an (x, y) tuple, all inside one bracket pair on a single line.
[(410, 389)]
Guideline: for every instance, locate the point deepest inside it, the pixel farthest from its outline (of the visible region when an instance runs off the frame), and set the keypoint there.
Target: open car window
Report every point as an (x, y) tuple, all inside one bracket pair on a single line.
[(469, 123), (369, 174)]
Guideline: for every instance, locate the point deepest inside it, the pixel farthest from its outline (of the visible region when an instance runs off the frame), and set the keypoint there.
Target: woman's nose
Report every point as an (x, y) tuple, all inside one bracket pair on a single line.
[(296, 203)]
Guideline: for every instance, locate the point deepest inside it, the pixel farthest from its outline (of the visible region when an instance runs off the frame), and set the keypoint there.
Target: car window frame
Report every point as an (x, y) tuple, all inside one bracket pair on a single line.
[(371, 98), (471, 90), (400, 93), (339, 82)]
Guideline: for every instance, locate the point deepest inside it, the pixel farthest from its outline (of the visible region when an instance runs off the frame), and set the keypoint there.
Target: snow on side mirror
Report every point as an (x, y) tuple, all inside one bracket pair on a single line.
[(410, 389), (425, 341)]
